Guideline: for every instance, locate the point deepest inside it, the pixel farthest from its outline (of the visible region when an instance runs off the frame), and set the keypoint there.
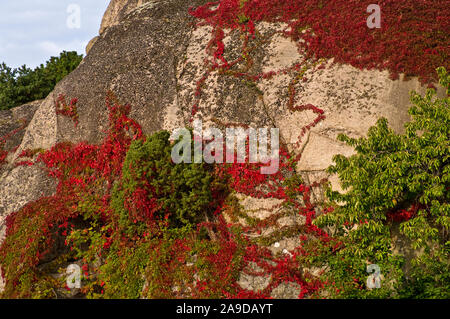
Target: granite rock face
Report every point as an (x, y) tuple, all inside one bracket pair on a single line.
[(13, 126), (14, 121), (116, 11), (151, 54)]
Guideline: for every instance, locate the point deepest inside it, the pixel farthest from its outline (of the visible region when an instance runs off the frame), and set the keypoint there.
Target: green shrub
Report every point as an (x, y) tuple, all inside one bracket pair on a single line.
[(143, 234), (396, 187), (22, 85)]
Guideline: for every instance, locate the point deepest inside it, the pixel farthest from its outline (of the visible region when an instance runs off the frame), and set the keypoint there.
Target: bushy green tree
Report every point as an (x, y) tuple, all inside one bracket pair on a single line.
[(21, 85), (397, 186)]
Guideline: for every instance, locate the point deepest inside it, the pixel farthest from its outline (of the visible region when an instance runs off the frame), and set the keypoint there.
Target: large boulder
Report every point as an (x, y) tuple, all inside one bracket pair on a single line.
[(13, 123)]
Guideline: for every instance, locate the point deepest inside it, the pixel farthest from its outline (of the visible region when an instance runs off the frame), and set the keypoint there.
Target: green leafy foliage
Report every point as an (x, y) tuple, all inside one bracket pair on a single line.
[(396, 188), (21, 85), (156, 207), (152, 186), (137, 235)]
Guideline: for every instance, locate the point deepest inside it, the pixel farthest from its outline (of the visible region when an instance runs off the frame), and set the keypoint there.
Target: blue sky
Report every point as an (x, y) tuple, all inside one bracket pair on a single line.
[(33, 30)]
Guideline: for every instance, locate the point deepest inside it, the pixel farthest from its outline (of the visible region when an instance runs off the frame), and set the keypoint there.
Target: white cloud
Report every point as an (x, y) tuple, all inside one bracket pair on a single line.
[(49, 47), (30, 15)]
